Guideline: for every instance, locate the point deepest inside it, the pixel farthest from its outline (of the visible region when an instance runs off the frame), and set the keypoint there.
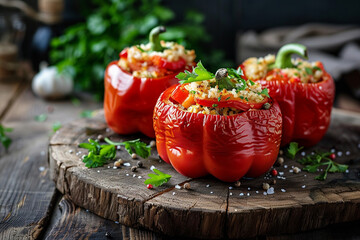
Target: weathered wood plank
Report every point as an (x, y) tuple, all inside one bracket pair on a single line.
[(76, 223), (219, 210), (26, 193)]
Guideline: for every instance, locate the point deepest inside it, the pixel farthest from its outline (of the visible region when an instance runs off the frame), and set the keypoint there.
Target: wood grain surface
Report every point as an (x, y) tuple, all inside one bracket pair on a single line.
[(211, 209)]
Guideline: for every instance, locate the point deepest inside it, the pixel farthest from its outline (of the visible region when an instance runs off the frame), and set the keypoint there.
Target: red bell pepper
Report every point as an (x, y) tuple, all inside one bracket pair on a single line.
[(305, 107), (129, 101), (227, 147)]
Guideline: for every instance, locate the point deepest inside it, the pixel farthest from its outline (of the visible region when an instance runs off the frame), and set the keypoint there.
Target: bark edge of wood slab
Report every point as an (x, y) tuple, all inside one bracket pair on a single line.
[(210, 209)]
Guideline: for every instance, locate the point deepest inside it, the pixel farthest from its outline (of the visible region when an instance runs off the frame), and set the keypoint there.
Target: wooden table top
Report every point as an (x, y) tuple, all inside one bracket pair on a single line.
[(30, 205)]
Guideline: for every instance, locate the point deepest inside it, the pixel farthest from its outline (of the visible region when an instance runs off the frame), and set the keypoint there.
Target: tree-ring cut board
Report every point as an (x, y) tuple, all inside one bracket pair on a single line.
[(211, 208)]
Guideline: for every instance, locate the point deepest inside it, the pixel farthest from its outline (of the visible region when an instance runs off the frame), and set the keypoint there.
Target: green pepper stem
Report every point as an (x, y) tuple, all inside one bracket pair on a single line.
[(283, 57), (154, 38)]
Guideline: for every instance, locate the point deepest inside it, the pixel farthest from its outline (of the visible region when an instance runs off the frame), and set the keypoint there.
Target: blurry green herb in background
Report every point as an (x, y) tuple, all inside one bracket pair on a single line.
[(87, 48)]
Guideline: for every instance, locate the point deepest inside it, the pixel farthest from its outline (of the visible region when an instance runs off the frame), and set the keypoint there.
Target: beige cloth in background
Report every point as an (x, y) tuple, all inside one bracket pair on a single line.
[(322, 40)]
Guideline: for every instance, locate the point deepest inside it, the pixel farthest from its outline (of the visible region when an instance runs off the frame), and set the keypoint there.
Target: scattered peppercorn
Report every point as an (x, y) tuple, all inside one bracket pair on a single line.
[(274, 172), (237, 184), (133, 156), (273, 182), (117, 164), (187, 186), (140, 164), (133, 168), (280, 161), (332, 156), (152, 143), (281, 152), (100, 137), (120, 161), (297, 170), (265, 186), (149, 186)]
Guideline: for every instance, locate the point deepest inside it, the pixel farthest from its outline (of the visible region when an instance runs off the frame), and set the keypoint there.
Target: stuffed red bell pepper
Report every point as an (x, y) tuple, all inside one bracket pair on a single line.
[(134, 83), (304, 91), (221, 125)]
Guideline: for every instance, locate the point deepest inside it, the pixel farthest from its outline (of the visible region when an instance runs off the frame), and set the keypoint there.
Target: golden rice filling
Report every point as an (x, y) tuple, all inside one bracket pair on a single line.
[(141, 54), (306, 72)]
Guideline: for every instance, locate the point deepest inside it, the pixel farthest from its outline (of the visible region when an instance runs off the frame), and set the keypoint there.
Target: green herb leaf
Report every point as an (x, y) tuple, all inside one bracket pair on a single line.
[(316, 68), (219, 98), (41, 117), (140, 148), (293, 149), (157, 179), (4, 139), (86, 114), (56, 126), (265, 92), (192, 91), (214, 105), (251, 82), (315, 162), (308, 70), (199, 73), (98, 154)]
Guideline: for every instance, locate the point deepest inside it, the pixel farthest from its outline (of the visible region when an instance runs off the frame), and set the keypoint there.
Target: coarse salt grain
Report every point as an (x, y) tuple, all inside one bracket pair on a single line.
[(290, 171), (134, 175), (256, 191), (249, 188), (127, 164), (230, 187), (332, 150), (173, 193), (281, 173), (139, 177), (265, 193), (114, 167), (270, 191), (303, 154), (347, 153), (177, 186), (98, 170), (241, 194), (285, 166), (248, 194), (347, 170), (152, 168), (339, 153), (127, 174), (41, 169), (303, 186), (283, 190), (231, 194), (71, 151), (211, 192), (208, 185)]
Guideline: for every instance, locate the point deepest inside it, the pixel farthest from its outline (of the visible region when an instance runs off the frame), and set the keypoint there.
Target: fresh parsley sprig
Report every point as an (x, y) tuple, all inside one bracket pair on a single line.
[(199, 73), (4, 139), (140, 148), (157, 179), (98, 154), (314, 162), (293, 149)]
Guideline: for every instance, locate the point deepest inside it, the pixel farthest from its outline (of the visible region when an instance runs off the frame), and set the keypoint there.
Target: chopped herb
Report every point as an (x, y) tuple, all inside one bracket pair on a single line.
[(41, 117), (140, 148), (316, 68), (219, 98), (251, 83), (293, 149), (141, 50), (199, 73), (86, 114), (314, 162), (157, 178), (214, 105), (242, 97), (192, 91), (265, 92), (227, 98), (75, 101), (56, 126), (308, 71), (98, 154), (296, 74), (4, 139), (246, 99)]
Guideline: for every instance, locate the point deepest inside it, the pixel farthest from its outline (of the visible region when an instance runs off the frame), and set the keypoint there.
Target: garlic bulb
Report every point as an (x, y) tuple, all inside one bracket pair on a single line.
[(49, 83)]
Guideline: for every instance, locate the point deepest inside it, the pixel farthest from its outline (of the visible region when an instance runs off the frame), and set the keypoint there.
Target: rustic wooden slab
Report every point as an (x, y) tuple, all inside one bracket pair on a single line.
[(211, 209)]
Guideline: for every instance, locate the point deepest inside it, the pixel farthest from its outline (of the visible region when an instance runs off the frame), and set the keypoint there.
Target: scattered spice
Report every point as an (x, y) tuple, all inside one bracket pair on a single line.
[(100, 137), (280, 161), (133, 168), (133, 155), (153, 143), (237, 184), (149, 186), (296, 170), (273, 182), (332, 156), (187, 186), (274, 172), (265, 186), (117, 164), (140, 164)]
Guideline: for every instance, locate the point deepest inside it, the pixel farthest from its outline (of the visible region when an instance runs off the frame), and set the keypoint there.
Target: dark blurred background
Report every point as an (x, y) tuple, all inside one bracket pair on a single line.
[(220, 31)]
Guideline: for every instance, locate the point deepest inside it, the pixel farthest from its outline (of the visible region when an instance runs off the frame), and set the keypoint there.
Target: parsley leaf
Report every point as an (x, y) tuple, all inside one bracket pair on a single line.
[(314, 162), (265, 92), (199, 73), (41, 117), (5, 140), (293, 149), (86, 114), (308, 70), (98, 154), (157, 179), (140, 148), (316, 68), (237, 73), (56, 126)]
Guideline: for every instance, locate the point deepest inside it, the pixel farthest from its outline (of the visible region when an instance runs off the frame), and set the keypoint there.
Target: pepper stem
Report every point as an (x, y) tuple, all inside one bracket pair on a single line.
[(154, 38), (283, 57)]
